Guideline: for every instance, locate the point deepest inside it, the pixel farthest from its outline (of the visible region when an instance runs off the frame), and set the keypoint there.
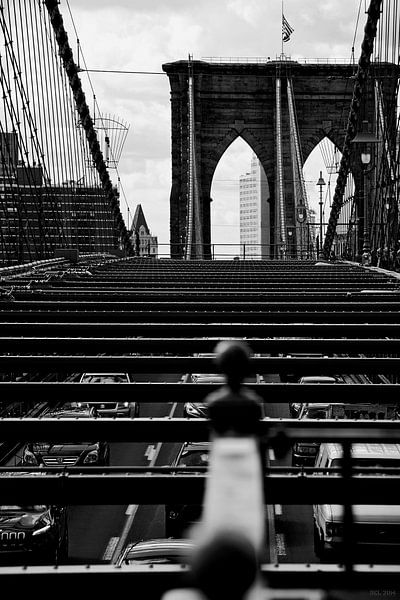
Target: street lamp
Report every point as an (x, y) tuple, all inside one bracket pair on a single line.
[(365, 140), (321, 184)]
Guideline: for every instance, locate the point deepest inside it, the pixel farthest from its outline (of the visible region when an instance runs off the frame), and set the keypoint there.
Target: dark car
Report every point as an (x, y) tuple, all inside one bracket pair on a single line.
[(295, 407), (156, 551), (69, 453), (199, 409), (178, 517), (111, 408), (36, 532)]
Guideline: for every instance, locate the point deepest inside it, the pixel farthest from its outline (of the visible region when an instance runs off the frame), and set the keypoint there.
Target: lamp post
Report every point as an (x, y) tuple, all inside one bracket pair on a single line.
[(321, 184), (365, 139)]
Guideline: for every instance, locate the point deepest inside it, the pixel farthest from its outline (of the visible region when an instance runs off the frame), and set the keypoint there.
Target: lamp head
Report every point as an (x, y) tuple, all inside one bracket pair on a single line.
[(321, 179)]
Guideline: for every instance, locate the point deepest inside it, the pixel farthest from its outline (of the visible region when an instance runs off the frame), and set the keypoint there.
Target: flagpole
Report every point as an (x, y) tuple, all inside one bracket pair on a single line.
[(282, 32)]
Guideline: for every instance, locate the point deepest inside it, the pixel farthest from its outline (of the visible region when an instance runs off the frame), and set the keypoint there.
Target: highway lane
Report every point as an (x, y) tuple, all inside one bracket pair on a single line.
[(96, 531)]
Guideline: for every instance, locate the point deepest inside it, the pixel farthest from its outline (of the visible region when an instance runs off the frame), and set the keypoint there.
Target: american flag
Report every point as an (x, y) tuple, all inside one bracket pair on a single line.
[(286, 29)]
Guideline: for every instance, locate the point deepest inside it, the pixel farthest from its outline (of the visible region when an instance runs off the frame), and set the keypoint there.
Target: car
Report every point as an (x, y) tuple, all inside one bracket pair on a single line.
[(156, 551), (111, 409), (69, 453), (375, 527), (36, 532), (295, 407), (293, 377), (181, 516), (199, 409)]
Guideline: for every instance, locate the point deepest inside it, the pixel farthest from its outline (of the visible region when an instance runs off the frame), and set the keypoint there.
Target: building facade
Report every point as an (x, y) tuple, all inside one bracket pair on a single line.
[(37, 217), (254, 213), (145, 243)]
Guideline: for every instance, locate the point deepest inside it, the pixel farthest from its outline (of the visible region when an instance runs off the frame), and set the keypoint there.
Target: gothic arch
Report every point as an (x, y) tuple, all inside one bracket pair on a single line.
[(235, 99)]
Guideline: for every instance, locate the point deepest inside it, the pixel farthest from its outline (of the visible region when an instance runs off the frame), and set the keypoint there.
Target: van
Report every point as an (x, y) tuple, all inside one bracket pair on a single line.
[(304, 453), (375, 526)]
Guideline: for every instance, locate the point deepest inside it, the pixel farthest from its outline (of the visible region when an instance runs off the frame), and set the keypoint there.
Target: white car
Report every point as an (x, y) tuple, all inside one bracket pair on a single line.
[(111, 408)]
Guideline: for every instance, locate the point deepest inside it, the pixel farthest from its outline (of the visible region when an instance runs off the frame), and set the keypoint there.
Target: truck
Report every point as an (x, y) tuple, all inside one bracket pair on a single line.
[(304, 453), (376, 527)]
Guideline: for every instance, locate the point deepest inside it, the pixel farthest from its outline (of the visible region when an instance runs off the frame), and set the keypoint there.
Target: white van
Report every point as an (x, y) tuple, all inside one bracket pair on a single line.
[(374, 525), (304, 453)]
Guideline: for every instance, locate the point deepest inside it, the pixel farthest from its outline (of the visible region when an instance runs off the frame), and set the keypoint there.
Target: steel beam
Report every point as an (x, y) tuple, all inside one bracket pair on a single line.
[(181, 346), (151, 392), (215, 330), (276, 432), (187, 364), (282, 581), (108, 486), (200, 306), (162, 316)]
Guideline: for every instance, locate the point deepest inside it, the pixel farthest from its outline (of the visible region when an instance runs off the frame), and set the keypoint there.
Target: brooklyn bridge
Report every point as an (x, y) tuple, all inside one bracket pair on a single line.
[(99, 342)]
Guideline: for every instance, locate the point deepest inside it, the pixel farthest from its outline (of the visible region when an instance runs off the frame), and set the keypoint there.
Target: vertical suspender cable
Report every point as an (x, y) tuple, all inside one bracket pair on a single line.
[(194, 226), (279, 161), (298, 160), (190, 199)]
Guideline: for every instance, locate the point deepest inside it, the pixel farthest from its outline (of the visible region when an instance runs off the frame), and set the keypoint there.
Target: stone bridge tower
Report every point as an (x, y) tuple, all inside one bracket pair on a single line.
[(239, 99)]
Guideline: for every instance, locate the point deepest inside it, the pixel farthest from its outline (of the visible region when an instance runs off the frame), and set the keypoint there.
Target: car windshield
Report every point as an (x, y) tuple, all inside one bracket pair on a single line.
[(99, 378), (198, 458), (107, 405), (315, 413)]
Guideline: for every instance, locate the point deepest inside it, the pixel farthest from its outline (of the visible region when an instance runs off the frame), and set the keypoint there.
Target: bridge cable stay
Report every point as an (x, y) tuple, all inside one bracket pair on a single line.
[(385, 241), (300, 193), (117, 140), (381, 209), (97, 159), (280, 215), (358, 90), (27, 200), (194, 246)]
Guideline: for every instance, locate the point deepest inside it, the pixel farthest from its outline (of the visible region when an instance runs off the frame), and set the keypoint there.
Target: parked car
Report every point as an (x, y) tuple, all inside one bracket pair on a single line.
[(375, 526), (293, 377), (156, 551), (36, 532), (111, 409), (68, 453), (199, 409), (179, 517), (294, 407)]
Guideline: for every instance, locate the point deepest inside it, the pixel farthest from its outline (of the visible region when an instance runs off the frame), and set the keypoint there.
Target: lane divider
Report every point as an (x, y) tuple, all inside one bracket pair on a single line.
[(133, 508)]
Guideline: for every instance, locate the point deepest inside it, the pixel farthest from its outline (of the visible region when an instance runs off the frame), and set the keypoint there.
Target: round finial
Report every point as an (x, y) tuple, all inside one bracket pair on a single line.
[(225, 567), (233, 359)]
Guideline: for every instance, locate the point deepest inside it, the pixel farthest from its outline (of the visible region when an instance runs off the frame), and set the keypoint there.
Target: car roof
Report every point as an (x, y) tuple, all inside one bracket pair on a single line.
[(105, 374), (217, 377), (196, 446), (161, 543), (322, 378), (159, 547), (380, 451)]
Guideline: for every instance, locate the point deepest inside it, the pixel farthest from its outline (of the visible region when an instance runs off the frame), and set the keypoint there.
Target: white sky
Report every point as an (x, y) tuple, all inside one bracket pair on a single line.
[(141, 35)]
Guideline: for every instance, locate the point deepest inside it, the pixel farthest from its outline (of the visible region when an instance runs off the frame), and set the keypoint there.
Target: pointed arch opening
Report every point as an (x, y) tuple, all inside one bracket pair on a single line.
[(324, 160), (240, 212)]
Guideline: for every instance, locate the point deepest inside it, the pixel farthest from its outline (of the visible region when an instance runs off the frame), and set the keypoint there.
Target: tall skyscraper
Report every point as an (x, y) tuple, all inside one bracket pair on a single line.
[(254, 212)]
